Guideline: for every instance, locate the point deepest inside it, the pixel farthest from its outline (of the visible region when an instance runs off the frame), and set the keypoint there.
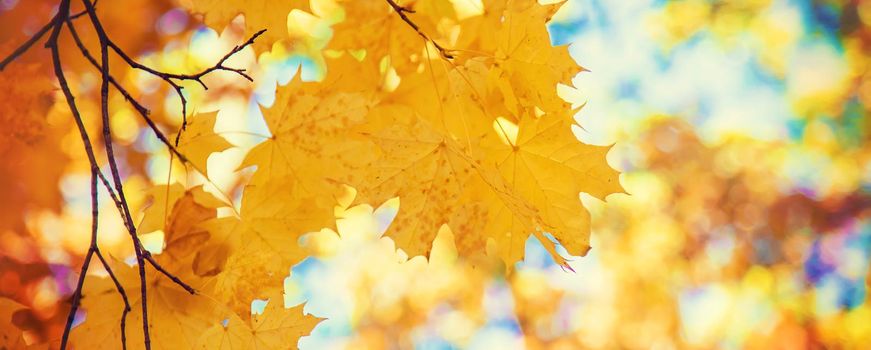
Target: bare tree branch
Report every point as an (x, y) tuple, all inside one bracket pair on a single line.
[(53, 28)]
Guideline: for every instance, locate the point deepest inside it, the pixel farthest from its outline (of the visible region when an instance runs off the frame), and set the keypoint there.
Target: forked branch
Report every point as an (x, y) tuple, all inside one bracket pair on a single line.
[(63, 19), (170, 78)]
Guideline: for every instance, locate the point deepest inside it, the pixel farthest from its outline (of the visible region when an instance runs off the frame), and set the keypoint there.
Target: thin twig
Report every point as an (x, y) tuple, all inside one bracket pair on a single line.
[(93, 249), (27, 44), (198, 77), (178, 281), (140, 109), (401, 11), (120, 290), (144, 112), (36, 36), (77, 295)]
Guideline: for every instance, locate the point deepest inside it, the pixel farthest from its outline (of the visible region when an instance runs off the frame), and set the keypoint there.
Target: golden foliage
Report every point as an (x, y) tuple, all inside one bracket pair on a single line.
[(428, 129), (259, 14)]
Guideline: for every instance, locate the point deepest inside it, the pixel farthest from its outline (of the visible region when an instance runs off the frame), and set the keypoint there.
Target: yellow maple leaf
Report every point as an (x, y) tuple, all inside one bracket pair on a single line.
[(440, 154), (11, 336), (175, 317), (461, 100), (311, 125), (199, 141), (241, 263), (545, 163), (249, 257), (373, 26), (533, 65), (259, 14), (159, 201), (428, 171), (276, 328), (178, 319), (183, 234), (30, 138)]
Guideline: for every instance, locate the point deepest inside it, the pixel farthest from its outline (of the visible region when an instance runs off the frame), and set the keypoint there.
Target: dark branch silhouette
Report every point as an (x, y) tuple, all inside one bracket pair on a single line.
[(63, 19)]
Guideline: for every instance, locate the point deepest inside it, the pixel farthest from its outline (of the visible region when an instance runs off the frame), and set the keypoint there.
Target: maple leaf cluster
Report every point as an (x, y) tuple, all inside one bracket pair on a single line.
[(453, 110), (474, 136)]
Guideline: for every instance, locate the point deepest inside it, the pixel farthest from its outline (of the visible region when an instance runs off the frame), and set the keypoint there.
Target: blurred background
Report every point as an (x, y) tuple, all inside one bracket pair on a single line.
[(741, 129)]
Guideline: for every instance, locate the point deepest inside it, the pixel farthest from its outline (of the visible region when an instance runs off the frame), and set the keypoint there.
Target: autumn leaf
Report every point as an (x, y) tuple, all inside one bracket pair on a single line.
[(452, 111), (11, 336), (383, 34), (176, 318), (159, 204), (427, 171), (523, 55), (544, 162), (242, 262), (199, 141), (259, 14), (182, 232), (29, 139), (435, 131), (276, 327)]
